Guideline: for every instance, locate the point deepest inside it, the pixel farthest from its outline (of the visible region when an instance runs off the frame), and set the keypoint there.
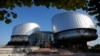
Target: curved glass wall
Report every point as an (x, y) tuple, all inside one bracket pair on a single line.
[(19, 38), (77, 32), (41, 38)]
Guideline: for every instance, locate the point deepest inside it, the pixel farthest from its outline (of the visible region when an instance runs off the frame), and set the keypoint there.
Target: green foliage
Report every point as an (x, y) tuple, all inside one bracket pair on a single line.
[(91, 6), (97, 45), (14, 15), (7, 21), (11, 4), (98, 24), (65, 4), (95, 48), (5, 15)]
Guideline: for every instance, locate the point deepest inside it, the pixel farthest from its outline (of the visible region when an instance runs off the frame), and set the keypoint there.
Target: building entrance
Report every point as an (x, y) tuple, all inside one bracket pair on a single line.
[(41, 39)]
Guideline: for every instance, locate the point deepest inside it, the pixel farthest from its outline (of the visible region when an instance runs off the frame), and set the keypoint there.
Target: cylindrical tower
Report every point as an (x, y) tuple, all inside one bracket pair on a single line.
[(25, 29), (73, 27), (22, 32)]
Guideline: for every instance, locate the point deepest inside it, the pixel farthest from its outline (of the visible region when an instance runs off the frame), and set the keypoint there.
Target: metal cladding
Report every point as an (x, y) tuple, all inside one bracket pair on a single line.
[(71, 20), (25, 29), (73, 27)]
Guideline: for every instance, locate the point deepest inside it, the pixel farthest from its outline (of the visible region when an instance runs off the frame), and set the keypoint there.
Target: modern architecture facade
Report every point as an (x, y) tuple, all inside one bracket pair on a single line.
[(21, 33), (73, 28), (42, 39), (70, 29), (29, 34)]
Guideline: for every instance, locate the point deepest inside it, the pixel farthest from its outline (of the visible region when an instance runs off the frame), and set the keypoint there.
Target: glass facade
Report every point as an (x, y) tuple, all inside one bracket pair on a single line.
[(19, 38), (77, 32), (41, 38)]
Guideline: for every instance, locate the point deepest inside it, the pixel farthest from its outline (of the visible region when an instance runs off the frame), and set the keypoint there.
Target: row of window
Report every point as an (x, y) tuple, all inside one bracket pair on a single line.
[(75, 32), (41, 38), (19, 38)]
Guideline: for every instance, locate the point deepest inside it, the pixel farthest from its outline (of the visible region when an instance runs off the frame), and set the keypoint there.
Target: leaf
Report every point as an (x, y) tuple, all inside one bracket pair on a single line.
[(98, 24), (14, 15), (91, 13), (37, 2), (98, 17), (8, 15), (4, 11), (7, 21), (1, 18)]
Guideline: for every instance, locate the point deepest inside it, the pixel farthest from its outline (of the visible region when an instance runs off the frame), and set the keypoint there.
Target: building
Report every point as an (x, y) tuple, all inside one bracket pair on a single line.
[(73, 30), (21, 33), (70, 30), (29, 34), (42, 39)]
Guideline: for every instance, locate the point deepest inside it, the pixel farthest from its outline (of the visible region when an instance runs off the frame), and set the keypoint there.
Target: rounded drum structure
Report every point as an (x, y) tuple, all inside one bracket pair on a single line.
[(25, 29), (71, 26), (21, 33)]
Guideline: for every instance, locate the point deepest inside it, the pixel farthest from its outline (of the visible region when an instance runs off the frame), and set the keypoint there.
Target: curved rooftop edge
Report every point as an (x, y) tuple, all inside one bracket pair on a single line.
[(71, 20), (25, 28)]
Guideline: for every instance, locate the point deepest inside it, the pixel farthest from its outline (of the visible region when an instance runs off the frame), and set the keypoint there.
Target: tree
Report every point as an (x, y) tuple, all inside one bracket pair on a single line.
[(5, 15), (11, 4), (96, 48), (91, 6)]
